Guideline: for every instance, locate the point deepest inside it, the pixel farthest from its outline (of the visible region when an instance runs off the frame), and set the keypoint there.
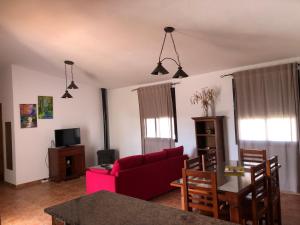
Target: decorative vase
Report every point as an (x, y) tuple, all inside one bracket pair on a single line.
[(212, 108), (205, 110)]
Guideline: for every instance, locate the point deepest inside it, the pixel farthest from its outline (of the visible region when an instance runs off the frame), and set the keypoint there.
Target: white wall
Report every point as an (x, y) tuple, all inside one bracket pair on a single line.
[(185, 110), (125, 123), (6, 98), (31, 144)]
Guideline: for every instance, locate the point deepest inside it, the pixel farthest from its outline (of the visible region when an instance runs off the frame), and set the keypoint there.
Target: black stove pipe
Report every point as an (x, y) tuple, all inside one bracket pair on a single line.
[(106, 156), (105, 118)]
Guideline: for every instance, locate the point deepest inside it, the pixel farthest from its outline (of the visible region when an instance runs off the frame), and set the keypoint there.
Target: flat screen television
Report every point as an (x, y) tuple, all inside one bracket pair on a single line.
[(67, 137)]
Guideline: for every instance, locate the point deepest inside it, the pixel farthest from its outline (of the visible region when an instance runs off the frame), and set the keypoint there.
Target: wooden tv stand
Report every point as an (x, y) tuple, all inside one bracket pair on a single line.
[(66, 163)]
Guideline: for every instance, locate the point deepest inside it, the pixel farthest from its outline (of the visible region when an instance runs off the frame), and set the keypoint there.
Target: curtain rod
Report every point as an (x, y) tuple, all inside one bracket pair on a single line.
[(227, 75), (153, 85)]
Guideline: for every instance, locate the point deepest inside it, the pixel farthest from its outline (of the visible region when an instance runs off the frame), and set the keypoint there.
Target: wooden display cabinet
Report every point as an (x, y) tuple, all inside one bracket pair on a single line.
[(66, 163), (209, 136)]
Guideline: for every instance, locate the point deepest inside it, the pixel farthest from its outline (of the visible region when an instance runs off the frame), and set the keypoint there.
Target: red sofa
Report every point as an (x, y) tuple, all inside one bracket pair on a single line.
[(139, 176)]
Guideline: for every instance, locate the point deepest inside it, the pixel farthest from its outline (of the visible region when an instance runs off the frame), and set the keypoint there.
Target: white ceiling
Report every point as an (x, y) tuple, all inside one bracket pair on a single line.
[(116, 42)]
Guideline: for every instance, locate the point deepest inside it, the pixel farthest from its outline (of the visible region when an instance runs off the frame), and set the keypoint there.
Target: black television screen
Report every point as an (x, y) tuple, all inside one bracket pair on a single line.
[(67, 137)]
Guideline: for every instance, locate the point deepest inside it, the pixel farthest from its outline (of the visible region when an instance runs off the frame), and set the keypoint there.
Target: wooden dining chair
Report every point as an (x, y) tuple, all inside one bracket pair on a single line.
[(252, 157), (194, 163), (274, 191), (200, 191), (211, 160), (256, 208)]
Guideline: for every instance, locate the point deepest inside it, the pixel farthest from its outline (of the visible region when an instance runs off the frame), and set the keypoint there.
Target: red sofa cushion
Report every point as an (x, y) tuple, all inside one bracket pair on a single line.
[(127, 163), (155, 156), (173, 152)]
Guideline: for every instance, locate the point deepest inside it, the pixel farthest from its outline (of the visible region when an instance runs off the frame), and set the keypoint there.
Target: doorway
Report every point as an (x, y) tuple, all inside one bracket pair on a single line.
[(1, 147)]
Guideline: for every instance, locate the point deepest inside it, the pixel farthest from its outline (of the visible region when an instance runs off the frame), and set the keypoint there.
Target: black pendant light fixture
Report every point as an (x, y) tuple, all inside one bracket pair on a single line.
[(67, 94), (160, 70)]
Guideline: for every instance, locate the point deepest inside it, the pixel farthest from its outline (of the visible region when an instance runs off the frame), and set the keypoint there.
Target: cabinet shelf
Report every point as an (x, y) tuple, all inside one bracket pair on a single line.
[(206, 135), (209, 136), (205, 149)]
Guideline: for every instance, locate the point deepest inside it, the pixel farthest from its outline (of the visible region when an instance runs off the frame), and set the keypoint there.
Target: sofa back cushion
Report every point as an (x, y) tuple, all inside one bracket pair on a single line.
[(155, 156), (127, 163), (173, 152), (151, 179)]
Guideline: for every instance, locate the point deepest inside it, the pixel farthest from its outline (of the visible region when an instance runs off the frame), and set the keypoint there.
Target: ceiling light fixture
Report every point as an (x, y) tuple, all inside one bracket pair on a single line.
[(67, 94), (160, 70)]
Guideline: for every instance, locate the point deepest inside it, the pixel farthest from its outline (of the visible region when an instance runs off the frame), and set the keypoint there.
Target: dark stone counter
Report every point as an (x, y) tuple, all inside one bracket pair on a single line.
[(105, 208)]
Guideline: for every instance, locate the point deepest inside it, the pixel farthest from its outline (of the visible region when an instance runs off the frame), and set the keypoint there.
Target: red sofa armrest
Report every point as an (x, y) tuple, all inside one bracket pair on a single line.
[(100, 171), (99, 180)]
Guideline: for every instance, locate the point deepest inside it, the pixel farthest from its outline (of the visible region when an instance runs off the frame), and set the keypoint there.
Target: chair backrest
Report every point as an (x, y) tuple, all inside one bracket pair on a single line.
[(274, 191), (251, 157), (194, 163), (208, 160), (200, 191), (259, 189), (211, 160), (273, 178)]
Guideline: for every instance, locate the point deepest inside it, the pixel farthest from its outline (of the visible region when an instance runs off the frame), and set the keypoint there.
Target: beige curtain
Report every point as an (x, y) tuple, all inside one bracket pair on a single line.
[(156, 115), (267, 102)]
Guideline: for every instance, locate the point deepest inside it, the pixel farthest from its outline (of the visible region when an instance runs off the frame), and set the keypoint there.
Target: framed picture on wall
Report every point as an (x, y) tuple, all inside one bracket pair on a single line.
[(28, 115), (45, 106)]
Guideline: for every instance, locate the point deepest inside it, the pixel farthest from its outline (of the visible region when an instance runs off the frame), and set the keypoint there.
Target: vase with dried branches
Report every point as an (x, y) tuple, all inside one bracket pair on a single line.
[(205, 97)]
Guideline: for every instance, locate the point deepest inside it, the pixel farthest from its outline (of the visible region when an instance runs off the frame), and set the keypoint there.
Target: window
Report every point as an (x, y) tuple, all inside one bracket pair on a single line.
[(276, 129), (158, 117), (160, 128), (267, 116), (271, 129)]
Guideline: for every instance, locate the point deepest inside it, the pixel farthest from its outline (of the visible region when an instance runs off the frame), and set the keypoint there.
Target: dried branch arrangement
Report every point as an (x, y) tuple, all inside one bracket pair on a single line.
[(205, 97)]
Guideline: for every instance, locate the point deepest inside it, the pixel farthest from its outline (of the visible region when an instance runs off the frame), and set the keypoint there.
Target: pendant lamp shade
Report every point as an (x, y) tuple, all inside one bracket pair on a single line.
[(180, 73), (159, 70), (72, 85), (67, 95)]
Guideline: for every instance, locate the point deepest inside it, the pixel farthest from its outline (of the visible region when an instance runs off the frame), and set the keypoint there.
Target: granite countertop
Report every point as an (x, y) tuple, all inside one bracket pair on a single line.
[(105, 208)]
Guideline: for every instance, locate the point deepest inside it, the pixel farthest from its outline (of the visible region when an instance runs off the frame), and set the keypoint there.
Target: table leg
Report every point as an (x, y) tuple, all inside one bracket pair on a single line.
[(235, 214), (235, 209), (234, 206)]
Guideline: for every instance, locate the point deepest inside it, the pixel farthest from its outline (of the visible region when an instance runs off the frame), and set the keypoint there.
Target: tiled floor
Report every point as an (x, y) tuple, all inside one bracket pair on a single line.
[(25, 206)]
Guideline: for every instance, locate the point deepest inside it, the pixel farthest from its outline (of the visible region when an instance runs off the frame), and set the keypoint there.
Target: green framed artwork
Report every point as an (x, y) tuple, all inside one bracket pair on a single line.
[(28, 115), (45, 107)]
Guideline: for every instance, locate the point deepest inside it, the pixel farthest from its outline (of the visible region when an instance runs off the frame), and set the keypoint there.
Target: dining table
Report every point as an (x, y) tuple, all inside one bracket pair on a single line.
[(232, 186)]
